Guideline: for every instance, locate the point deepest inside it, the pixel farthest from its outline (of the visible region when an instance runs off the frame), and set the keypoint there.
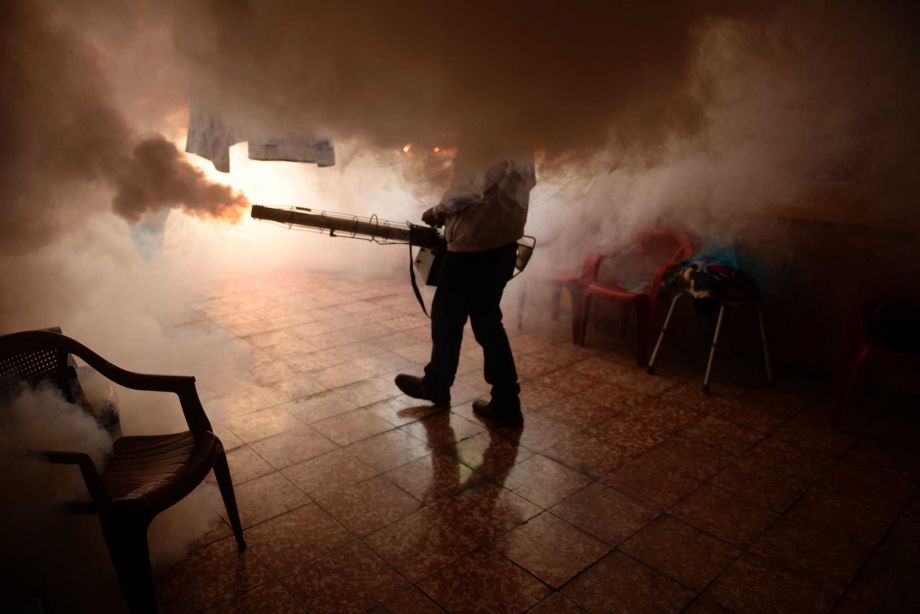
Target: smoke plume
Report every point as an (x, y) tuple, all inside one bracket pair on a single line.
[(66, 145), (156, 177)]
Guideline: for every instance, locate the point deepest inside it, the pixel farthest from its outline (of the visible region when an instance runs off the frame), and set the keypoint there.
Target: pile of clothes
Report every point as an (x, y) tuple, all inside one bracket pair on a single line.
[(711, 280)]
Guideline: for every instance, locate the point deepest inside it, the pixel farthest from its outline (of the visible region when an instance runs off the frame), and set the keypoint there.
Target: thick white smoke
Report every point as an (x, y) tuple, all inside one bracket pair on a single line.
[(713, 116)]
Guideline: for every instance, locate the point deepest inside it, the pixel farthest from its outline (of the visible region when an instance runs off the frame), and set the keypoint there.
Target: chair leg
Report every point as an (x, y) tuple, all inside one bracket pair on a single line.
[(766, 352), (664, 329), (580, 315), (850, 386), (222, 472), (557, 299), (126, 538), (643, 331), (712, 349)]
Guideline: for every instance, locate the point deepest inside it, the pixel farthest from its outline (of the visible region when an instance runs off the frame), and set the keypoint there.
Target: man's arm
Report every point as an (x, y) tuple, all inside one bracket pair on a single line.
[(460, 197), (437, 215)]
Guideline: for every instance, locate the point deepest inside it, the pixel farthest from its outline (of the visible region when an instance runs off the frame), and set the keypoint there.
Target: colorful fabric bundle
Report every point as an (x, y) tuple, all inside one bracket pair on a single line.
[(709, 281)]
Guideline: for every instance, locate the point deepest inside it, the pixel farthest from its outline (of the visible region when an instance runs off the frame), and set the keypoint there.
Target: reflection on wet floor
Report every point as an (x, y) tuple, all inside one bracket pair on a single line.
[(623, 491)]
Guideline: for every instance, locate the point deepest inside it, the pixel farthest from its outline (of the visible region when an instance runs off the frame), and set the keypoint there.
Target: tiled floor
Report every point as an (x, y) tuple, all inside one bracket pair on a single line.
[(624, 491)]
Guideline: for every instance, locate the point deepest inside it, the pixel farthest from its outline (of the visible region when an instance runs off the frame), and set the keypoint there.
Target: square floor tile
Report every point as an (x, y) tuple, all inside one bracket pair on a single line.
[(544, 481), (615, 398), (748, 415), (491, 453), (319, 407), (662, 416), (484, 581), (261, 424), (701, 605), (657, 487), (292, 447), (551, 549), (578, 412), (556, 604), (485, 511), (228, 440), (369, 391), (299, 387), (431, 477), (401, 409), (540, 432), (688, 555), (342, 374), (729, 517), (618, 583), (442, 429), (639, 380), (533, 396), (410, 600), (790, 460), (692, 457), (846, 517), (389, 450), (420, 544), (866, 484), (369, 505), (330, 471), (249, 399), (292, 542), (726, 435), (267, 497), (813, 549), (760, 485), (752, 584), (210, 576), (633, 435), (530, 367), (888, 580), (604, 513), (568, 380), (884, 458), (351, 579), (807, 434), (345, 429), (588, 454), (271, 597), (245, 464)]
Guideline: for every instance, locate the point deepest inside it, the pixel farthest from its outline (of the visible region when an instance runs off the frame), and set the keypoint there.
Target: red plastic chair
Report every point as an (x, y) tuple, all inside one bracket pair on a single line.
[(576, 285), (860, 351), (666, 247)]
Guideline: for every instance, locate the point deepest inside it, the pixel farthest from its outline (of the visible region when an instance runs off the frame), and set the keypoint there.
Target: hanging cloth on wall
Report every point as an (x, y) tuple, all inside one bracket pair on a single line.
[(211, 137)]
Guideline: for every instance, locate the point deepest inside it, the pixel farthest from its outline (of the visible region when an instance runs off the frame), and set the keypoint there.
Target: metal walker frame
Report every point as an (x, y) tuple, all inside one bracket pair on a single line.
[(707, 378)]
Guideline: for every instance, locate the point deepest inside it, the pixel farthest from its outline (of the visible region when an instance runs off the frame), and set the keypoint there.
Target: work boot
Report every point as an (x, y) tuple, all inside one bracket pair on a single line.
[(501, 413), (417, 388)]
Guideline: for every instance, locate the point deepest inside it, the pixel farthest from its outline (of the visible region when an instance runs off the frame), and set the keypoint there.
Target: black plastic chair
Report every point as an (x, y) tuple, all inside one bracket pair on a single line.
[(145, 475)]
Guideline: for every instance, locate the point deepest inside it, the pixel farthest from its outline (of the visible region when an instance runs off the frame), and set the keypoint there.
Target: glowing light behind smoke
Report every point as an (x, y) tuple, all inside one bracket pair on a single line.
[(365, 183)]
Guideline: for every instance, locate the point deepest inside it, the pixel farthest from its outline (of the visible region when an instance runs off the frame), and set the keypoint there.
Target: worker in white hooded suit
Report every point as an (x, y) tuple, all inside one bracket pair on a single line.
[(483, 212)]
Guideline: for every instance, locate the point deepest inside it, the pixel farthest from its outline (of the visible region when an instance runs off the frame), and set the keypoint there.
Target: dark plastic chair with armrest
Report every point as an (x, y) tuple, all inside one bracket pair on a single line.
[(145, 474)]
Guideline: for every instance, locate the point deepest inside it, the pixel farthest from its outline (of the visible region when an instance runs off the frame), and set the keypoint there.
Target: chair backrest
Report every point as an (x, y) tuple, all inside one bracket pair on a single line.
[(666, 245), (34, 368), (26, 370), (590, 267)]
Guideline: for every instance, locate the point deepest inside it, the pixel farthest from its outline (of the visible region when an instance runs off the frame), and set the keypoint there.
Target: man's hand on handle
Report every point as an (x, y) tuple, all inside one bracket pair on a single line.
[(433, 217)]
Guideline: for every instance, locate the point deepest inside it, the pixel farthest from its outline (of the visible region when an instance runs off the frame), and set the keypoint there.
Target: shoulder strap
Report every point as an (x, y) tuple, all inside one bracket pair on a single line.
[(418, 293)]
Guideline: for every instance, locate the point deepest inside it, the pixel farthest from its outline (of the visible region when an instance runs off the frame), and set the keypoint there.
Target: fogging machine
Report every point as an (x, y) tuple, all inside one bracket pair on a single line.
[(430, 242)]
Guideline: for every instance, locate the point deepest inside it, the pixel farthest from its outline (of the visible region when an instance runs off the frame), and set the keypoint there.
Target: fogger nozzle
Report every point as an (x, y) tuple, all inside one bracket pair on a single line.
[(352, 226)]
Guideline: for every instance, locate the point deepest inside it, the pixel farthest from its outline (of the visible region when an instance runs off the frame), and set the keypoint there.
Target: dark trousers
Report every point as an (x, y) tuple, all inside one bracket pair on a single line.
[(470, 286)]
